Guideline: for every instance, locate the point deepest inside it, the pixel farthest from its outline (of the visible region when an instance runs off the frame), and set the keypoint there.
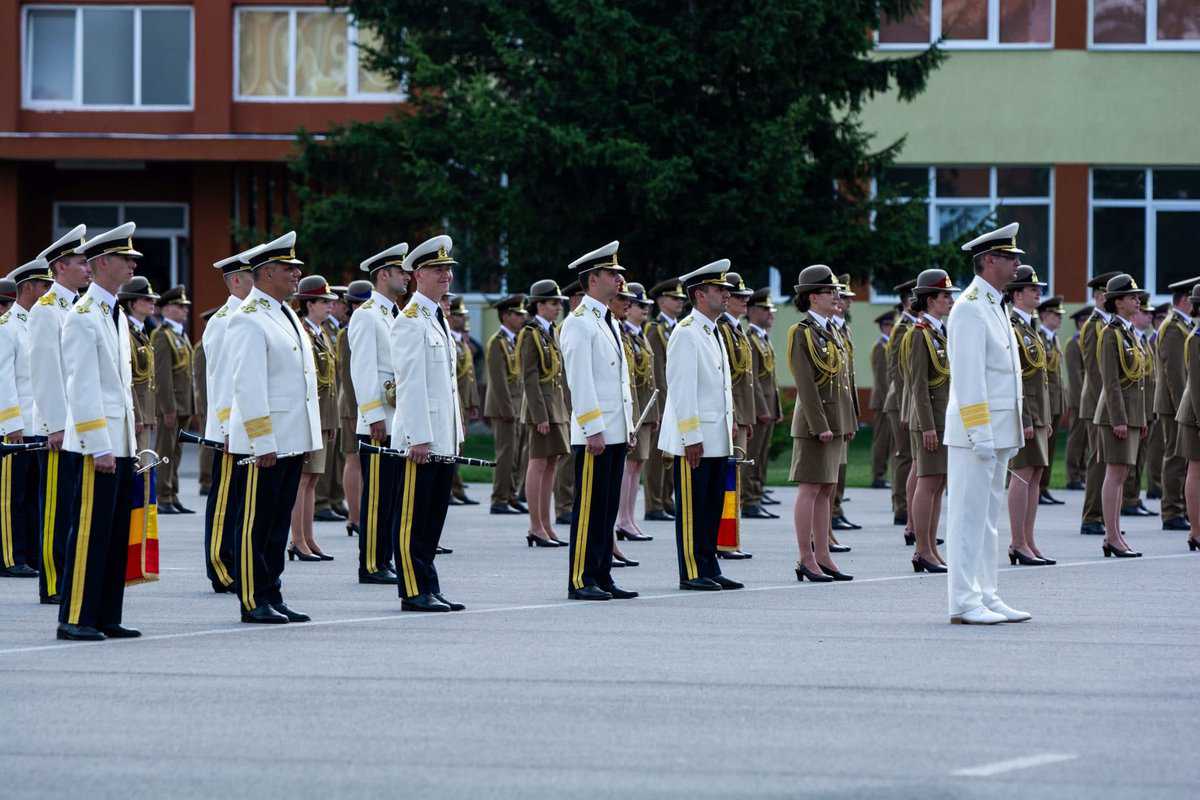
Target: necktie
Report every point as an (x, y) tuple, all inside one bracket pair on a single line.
[(608, 322), (441, 318), (116, 312), (287, 312), (396, 311)]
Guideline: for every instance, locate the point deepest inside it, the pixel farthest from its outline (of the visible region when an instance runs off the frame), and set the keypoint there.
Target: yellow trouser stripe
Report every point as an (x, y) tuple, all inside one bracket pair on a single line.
[(214, 552), (82, 539), (48, 523), (689, 547), (406, 519), (585, 512), (372, 511), (6, 532), (247, 550)]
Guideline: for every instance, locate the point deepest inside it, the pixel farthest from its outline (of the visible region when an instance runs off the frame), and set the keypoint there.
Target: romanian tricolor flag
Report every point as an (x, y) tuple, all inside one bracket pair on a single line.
[(729, 534), (142, 564)]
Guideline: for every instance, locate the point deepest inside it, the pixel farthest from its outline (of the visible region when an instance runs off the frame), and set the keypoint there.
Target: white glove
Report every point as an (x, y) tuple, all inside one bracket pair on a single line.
[(984, 451)]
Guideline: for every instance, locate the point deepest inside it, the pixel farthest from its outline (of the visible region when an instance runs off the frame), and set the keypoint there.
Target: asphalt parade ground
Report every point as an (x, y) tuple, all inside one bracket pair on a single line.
[(780, 690)]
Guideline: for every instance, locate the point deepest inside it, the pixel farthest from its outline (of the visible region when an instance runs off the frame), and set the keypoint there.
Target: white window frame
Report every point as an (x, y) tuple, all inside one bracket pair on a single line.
[(1151, 42), (171, 234), (1151, 207), (992, 42), (352, 94), (76, 103), (992, 202)]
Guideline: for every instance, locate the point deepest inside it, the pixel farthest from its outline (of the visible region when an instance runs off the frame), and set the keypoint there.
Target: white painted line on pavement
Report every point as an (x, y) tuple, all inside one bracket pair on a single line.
[(399, 616), (1012, 764)]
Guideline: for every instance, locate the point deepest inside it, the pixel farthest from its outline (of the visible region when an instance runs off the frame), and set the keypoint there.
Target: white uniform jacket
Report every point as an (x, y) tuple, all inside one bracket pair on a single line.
[(985, 369), (371, 361), (218, 374), (424, 362), (46, 320), (99, 372), (597, 375), (699, 407), (16, 388), (275, 407)]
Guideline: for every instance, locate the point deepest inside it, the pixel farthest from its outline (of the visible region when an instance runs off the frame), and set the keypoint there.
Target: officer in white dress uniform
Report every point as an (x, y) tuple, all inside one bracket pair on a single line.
[(99, 446), (427, 422), (19, 528), (601, 424), (275, 418), (369, 338), (56, 490), (697, 427), (983, 429), (223, 507)]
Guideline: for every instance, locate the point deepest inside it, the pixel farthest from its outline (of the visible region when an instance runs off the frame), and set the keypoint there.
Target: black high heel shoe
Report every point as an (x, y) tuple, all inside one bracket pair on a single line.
[(833, 573), (910, 539), (1109, 550), (629, 536), (803, 572), (351, 529), (1017, 557), (1047, 561), (1193, 545), (531, 541), (629, 562), (921, 565), (293, 554), (322, 556)]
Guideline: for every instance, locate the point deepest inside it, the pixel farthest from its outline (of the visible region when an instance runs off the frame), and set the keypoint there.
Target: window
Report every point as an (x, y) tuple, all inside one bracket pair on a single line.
[(1137, 24), (959, 198), (93, 56), (972, 24), (1146, 222), (304, 54), (162, 234)]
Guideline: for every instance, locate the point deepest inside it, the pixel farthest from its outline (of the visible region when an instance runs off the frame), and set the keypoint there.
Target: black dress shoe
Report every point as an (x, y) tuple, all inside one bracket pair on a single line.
[(757, 512), (454, 501), (79, 633), (1091, 529), (204, 491), (292, 616), (264, 615), (1145, 511), (1075, 486), (463, 500), (502, 508), (727, 583), (618, 593), (843, 524), (629, 536), (900, 519), (120, 632), (179, 508), (622, 561), (52, 600), (518, 506), (1176, 524), (839, 548), (443, 551), (880, 483), (453, 606), (589, 593), (658, 516), (328, 515), (19, 571), (1134, 511), (670, 511), (1047, 499), (166, 508), (734, 555), (342, 509), (381, 576), (770, 501), (562, 519), (700, 585), (423, 602)]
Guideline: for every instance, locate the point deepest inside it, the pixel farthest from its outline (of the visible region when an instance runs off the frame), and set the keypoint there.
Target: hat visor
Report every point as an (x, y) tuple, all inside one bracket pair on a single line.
[(547, 298), (138, 296), (808, 288), (329, 296), (932, 289), (46, 277), (1012, 287), (741, 292)]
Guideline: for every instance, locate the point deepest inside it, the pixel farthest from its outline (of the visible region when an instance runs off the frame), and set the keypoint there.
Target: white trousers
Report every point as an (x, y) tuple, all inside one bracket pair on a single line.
[(976, 498)]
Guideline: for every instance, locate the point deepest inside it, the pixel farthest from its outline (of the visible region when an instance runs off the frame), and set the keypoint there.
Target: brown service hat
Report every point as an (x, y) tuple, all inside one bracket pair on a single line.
[(137, 287), (671, 287), (175, 295), (313, 287)]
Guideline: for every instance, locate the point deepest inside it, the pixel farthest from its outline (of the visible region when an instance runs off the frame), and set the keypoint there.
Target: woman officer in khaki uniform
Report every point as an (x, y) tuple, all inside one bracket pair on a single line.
[(1121, 411), (923, 352), (1187, 444), (641, 380), (1025, 292), (819, 430)]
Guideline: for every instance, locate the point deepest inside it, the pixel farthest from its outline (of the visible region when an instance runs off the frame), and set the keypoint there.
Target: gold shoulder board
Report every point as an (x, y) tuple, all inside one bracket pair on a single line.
[(224, 310), (411, 312), (84, 307), (686, 323), (4, 318), (973, 294), (578, 312), (249, 308), (368, 304), (47, 299)]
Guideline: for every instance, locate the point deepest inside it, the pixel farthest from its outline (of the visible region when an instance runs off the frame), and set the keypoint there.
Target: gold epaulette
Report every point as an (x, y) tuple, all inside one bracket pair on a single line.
[(411, 311), (248, 307), (84, 307), (973, 294), (222, 313), (578, 312), (4, 317), (686, 323), (47, 299), (368, 304)]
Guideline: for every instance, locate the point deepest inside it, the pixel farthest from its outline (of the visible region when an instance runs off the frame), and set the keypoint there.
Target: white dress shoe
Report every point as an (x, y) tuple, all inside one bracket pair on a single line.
[(1009, 614), (978, 616)]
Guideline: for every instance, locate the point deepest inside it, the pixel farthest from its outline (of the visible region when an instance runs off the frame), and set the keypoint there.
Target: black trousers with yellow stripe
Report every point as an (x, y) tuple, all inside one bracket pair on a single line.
[(93, 584), (222, 518), (267, 499), (417, 528), (59, 507), (20, 525), (699, 498), (377, 511), (597, 497)]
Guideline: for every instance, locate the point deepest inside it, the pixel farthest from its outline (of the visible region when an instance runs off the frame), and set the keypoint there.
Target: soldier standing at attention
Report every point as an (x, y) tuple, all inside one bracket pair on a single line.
[(100, 445), (737, 351), (641, 376), (660, 489), (1172, 380), (502, 404), (138, 300), (174, 401), (57, 487), (892, 406), (838, 520), (564, 478), (881, 442), (601, 424), (1089, 337), (760, 313), (357, 293), (468, 391), (374, 384), (1049, 320), (1077, 426), (330, 502)]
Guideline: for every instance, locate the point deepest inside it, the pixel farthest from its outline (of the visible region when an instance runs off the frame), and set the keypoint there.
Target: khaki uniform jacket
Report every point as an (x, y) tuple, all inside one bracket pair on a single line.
[(200, 410), (741, 369), (928, 365), (1172, 374), (172, 372), (145, 407), (641, 373), (1092, 382), (1150, 350), (1054, 374), (347, 403), (325, 359), (464, 365), (658, 334), (543, 385), (895, 391), (1123, 378), (1073, 356), (879, 374), (851, 398), (766, 387), (504, 384), (1189, 401), (818, 367), (1035, 383)]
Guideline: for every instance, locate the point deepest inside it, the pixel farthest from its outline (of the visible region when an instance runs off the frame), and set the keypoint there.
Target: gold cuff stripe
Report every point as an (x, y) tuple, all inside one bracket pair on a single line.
[(371, 406), (260, 426), (91, 425), (975, 415), (590, 416), (223, 415), (688, 425), (12, 412)]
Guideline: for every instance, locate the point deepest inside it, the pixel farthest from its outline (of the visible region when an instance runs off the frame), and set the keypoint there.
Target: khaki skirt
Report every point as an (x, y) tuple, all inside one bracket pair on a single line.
[(314, 462), (1187, 443), (645, 440), (926, 463), (814, 461), (1036, 451), (1118, 451), (555, 442)]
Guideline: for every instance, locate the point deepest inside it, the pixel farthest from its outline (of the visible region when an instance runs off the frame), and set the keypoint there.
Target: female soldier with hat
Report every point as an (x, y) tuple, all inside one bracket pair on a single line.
[(138, 299), (1187, 443), (641, 380), (819, 432), (315, 301), (1120, 417)]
